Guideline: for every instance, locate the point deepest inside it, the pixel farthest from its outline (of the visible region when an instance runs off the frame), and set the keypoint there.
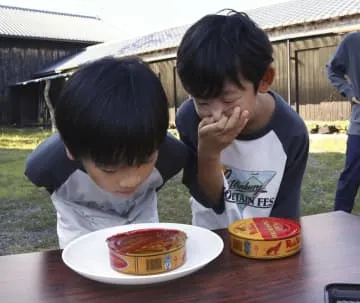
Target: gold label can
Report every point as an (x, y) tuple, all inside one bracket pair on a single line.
[(147, 251), (265, 237), (148, 264)]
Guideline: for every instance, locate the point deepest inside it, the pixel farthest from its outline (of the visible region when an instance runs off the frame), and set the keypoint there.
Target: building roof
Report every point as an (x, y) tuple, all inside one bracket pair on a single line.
[(38, 24), (167, 39), (303, 11), (276, 16), (280, 15)]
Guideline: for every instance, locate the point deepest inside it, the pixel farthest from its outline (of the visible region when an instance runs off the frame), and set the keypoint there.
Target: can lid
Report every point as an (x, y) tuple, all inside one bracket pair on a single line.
[(265, 228)]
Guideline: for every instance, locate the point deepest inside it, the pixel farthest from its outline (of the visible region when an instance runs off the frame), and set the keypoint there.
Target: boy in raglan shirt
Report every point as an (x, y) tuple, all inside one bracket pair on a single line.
[(249, 147), (112, 152)]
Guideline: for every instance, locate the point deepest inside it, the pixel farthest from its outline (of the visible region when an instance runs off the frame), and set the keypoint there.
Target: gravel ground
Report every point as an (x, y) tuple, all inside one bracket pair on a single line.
[(18, 241), (21, 231)]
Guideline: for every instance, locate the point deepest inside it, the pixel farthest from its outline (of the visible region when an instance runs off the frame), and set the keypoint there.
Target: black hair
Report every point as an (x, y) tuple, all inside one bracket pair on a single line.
[(113, 111), (220, 47)]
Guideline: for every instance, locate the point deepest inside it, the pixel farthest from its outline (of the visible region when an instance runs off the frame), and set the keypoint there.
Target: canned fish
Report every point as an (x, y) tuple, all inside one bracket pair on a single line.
[(265, 238), (147, 251)]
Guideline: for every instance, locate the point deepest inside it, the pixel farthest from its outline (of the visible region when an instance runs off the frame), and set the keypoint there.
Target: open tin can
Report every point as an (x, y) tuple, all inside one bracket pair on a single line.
[(147, 251)]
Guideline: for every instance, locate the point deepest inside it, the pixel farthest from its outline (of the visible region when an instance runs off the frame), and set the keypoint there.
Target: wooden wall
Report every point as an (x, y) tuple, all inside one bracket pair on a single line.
[(166, 71), (303, 84), (311, 94), (307, 90), (19, 59)]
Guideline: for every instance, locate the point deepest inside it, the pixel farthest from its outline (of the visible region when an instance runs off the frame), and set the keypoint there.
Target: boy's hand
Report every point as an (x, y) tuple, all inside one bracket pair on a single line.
[(214, 136)]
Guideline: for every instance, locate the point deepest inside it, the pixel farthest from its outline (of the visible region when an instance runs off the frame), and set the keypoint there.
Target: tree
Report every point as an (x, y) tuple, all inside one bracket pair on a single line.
[(49, 105)]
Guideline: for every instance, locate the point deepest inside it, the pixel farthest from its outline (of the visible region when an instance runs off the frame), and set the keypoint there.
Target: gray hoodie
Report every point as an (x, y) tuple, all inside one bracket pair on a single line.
[(343, 71)]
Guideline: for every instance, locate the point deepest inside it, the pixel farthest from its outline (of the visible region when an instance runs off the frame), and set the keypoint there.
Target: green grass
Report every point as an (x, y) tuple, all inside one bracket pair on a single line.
[(22, 138), (27, 216), (28, 219), (328, 144), (326, 160)]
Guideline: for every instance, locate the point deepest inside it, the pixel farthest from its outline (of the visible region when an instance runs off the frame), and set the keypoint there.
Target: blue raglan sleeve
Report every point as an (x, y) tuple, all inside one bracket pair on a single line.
[(337, 68), (187, 124), (48, 166), (172, 157), (287, 204)]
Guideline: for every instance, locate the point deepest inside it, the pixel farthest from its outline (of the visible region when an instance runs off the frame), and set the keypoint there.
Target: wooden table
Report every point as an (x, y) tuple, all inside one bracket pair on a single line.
[(331, 253)]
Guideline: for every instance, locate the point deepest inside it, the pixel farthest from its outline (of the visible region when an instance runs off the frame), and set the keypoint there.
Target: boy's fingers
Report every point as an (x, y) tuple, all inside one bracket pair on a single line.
[(222, 123), (238, 124), (244, 118), (208, 129), (233, 121), (206, 121), (215, 128)]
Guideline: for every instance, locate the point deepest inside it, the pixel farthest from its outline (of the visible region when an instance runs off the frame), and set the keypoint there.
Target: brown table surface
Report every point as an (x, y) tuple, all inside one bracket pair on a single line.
[(330, 253)]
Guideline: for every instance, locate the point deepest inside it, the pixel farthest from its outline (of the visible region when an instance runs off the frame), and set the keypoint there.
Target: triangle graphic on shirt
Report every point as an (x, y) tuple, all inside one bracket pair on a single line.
[(244, 186)]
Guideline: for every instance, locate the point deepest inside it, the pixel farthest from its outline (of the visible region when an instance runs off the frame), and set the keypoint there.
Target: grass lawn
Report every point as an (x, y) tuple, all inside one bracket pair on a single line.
[(28, 220)]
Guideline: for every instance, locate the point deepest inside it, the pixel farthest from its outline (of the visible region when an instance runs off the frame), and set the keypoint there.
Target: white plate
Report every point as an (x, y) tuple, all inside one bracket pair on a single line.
[(88, 255)]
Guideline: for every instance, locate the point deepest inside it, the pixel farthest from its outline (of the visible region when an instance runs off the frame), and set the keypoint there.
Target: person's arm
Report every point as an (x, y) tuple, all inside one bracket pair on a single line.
[(210, 176), (187, 122), (48, 166), (206, 139), (337, 69), (190, 174), (287, 203), (172, 157), (214, 137)]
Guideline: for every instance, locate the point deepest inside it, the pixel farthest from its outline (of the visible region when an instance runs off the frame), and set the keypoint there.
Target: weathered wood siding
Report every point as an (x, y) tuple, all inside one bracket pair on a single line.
[(303, 84), (310, 91), (19, 59)]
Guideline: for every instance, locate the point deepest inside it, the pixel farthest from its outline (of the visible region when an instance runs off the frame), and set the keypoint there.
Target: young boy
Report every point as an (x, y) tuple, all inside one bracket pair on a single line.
[(249, 146), (112, 152)]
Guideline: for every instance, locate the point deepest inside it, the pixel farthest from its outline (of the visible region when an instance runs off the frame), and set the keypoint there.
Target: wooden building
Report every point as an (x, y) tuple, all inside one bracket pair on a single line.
[(30, 41), (304, 34)]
